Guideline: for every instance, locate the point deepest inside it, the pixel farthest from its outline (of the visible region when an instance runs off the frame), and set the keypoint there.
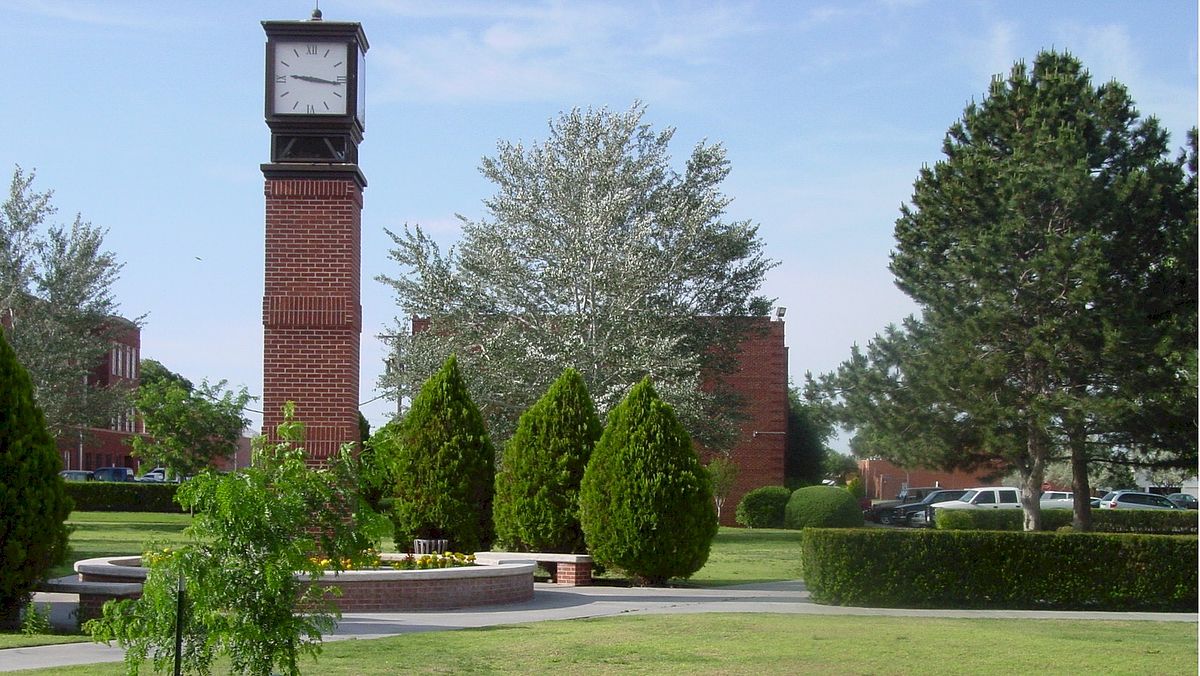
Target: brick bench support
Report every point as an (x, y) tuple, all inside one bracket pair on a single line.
[(574, 570), (92, 595)]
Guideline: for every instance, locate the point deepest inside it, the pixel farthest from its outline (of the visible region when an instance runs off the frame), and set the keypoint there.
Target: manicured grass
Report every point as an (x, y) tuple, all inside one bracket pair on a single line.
[(118, 534), (23, 641), (761, 643), (744, 555)]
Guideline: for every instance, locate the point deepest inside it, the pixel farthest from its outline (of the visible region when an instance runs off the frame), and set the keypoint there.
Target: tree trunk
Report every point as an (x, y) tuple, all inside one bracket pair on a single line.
[(1032, 474), (1082, 520)]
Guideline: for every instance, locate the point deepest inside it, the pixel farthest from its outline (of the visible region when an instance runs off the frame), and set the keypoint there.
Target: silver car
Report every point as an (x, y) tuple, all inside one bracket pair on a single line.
[(1134, 500)]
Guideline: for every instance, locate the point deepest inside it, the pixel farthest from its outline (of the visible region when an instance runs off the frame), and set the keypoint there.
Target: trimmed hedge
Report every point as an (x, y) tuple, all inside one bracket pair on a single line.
[(822, 507), (1146, 521), (763, 507), (123, 496), (998, 569)]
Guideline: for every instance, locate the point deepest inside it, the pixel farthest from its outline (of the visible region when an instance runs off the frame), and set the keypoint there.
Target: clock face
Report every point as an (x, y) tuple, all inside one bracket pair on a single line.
[(310, 78)]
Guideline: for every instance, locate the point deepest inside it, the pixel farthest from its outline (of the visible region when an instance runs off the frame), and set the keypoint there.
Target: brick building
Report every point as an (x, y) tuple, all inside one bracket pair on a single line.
[(761, 380), (94, 447), (883, 480)]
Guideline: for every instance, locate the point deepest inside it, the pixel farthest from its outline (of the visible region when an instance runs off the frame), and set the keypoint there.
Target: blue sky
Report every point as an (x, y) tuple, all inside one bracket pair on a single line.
[(146, 117)]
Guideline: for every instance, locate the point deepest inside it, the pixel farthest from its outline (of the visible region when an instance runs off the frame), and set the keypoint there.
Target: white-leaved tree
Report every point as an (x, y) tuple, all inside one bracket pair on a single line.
[(595, 254), (57, 307)]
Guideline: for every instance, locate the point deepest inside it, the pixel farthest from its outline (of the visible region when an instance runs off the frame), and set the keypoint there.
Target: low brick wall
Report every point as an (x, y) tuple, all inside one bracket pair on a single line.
[(379, 590), (442, 589)]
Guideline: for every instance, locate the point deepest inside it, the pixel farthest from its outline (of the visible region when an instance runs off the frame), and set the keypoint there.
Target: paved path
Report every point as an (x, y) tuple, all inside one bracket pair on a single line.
[(552, 602)]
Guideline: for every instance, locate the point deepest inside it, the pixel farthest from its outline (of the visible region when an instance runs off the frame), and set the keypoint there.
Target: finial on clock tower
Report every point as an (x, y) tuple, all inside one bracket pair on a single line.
[(316, 15)]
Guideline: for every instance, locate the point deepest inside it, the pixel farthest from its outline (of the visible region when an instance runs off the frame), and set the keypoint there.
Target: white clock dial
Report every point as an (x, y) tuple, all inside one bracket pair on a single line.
[(310, 78)]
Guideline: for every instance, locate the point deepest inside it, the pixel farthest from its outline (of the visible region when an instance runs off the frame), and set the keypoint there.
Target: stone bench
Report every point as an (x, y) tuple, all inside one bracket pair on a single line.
[(574, 570)]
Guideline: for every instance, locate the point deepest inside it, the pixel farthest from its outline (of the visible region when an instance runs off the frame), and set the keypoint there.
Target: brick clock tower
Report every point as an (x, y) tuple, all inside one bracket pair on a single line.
[(311, 312)]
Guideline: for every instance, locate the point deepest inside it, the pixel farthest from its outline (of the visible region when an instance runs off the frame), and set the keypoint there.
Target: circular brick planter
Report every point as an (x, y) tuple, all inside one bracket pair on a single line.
[(380, 589)]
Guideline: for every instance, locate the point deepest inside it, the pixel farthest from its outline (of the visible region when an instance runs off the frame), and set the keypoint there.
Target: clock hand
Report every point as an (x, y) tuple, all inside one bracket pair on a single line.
[(310, 78)]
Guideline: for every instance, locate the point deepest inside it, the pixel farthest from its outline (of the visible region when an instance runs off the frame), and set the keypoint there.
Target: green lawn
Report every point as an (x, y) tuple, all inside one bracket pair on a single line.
[(23, 641), (715, 643), (763, 644), (743, 555), (118, 533)]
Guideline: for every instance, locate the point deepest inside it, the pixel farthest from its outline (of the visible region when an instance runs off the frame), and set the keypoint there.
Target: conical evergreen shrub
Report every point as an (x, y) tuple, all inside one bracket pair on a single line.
[(442, 463), (646, 505), (537, 487), (33, 502)]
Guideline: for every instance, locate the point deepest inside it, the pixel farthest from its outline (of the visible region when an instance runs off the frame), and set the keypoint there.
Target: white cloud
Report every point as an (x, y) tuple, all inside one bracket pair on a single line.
[(551, 53)]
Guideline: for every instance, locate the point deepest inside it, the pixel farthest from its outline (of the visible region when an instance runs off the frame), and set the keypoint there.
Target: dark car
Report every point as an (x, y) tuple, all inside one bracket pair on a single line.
[(905, 514), (1183, 500), (884, 512), (112, 474)]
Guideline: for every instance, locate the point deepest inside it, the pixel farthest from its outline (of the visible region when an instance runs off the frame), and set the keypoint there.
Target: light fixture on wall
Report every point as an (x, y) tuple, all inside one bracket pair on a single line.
[(779, 313)]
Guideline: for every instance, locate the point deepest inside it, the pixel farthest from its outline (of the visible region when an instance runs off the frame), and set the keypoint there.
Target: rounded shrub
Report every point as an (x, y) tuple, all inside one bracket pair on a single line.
[(822, 507), (646, 504), (763, 507), (537, 486), (33, 503), (442, 466)]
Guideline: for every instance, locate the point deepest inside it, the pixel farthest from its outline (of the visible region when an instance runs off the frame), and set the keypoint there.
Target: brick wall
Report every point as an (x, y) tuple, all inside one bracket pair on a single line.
[(883, 480), (413, 593), (311, 313), (761, 380)]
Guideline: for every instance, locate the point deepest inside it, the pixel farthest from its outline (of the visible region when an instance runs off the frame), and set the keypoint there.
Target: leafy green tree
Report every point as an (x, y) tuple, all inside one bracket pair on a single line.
[(646, 505), (839, 468), (722, 472), (253, 533), (33, 503), (152, 372), (57, 303), (807, 443), (1053, 255), (188, 428), (597, 255), (537, 486), (442, 465)]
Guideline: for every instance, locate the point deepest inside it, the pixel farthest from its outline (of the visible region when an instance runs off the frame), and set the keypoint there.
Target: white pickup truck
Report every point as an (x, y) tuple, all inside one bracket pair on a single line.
[(986, 497)]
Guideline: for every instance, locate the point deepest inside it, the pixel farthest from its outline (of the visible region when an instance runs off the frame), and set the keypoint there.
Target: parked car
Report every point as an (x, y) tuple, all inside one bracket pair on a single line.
[(1058, 500), (1184, 500), (984, 497), (75, 475), (917, 513), (158, 474), (882, 511), (1135, 500), (112, 474)]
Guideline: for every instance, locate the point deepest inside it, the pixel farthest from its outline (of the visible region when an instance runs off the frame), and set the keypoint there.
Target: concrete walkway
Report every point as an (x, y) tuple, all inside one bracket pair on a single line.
[(551, 602)]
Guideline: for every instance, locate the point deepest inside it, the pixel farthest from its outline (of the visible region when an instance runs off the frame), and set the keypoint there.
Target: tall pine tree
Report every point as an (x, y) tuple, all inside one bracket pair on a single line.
[(537, 486), (646, 504), (1053, 256), (441, 460)]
